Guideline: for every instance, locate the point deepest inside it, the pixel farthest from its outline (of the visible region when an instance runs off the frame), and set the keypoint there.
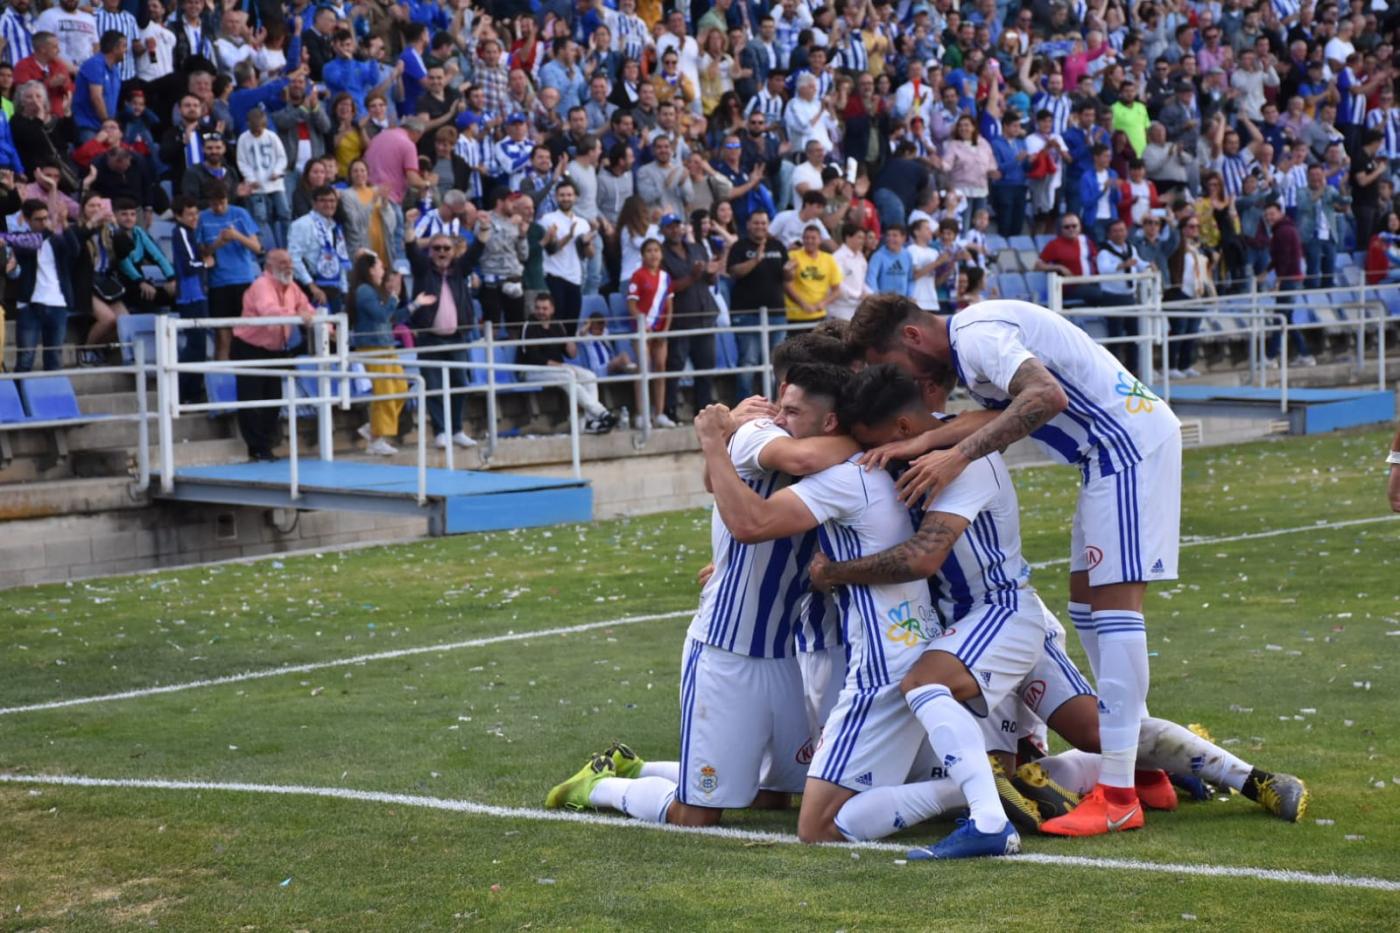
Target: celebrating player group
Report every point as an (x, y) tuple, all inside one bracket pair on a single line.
[(868, 635)]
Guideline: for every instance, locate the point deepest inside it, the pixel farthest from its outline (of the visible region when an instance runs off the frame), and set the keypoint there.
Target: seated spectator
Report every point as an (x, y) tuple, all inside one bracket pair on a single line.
[(135, 250), (541, 325), (604, 356)]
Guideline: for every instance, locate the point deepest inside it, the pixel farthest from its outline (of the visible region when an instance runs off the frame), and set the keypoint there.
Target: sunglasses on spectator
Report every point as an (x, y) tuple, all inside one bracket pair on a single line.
[(442, 248), (733, 145)]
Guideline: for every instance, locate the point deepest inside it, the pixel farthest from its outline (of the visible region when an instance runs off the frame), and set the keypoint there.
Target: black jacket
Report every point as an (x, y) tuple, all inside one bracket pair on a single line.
[(66, 245), (427, 279)]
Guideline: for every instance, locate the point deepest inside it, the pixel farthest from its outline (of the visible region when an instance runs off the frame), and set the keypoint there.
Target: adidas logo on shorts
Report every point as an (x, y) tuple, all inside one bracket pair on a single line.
[(867, 779), (1158, 567)]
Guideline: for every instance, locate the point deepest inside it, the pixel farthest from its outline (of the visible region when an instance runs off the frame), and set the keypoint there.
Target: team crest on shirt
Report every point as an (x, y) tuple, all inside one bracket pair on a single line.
[(1094, 555), (1137, 398), (709, 779), (1033, 694)]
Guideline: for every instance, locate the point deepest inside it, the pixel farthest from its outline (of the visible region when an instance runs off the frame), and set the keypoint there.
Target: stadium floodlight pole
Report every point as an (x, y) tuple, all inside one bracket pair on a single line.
[(289, 394)]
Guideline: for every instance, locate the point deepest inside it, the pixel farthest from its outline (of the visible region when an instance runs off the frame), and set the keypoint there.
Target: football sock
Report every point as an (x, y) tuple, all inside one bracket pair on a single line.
[(1175, 748), (876, 813), (670, 770), (1073, 770), (1122, 680), (645, 798), (1082, 615), (959, 745)]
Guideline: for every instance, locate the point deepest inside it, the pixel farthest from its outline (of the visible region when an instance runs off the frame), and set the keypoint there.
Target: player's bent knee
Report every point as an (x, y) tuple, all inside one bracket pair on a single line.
[(941, 668), (1077, 722), (682, 814), (771, 800)]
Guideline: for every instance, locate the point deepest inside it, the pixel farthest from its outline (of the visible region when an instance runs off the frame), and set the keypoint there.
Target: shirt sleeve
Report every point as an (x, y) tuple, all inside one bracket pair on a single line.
[(970, 493), (992, 350), (747, 444), (835, 494)]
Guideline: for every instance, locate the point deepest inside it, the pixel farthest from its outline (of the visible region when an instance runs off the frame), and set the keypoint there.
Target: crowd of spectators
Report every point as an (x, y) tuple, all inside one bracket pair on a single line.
[(435, 168)]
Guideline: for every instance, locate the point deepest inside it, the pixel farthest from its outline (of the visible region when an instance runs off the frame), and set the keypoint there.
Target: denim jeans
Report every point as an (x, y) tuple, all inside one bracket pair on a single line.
[(196, 349), (446, 419), (1009, 208), (272, 215), (1321, 257), (1300, 343), (40, 324)]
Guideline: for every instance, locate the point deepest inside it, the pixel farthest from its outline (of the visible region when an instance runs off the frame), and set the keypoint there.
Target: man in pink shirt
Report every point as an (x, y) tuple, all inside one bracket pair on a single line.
[(272, 294), (392, 159)]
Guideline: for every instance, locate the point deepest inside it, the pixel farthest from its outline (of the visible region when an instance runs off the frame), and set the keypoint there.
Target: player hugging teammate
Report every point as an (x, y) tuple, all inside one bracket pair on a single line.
[(853, 501)]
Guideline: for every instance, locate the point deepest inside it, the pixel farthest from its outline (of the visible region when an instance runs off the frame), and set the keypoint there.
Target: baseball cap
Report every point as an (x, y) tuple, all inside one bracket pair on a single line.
[(671, 219), (517, 117), (470, 119)]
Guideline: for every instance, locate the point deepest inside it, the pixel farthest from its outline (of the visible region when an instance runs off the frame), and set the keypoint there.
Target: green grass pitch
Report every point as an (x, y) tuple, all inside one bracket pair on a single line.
[(1286, 646)]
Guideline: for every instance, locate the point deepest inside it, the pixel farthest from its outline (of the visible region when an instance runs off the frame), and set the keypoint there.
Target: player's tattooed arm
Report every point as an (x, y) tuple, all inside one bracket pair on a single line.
[(1036, 397), (918, 558)]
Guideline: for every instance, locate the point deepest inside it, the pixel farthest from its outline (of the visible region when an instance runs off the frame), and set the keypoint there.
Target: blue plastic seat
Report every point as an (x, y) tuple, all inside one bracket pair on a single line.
[(593, 303), (996, 242), (619, 320), (133, 328), (50, 398), (1011, 285), (11, 408), (1023, 243), (1038, 283), (1042, 240)]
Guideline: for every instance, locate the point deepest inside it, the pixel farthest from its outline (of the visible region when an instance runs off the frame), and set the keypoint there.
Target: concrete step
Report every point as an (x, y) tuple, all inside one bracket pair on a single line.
[(46, 498)]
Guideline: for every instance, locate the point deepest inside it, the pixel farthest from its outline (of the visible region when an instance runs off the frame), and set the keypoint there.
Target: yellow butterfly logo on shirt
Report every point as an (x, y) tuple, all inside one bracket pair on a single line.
[(1137, 397)]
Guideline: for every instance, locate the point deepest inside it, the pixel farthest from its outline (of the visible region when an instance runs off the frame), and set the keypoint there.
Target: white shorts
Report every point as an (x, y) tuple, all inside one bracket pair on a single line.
[(743, 726), (1052, 682), (871, 739), (823, 675), (998, 645), (1127, 527)]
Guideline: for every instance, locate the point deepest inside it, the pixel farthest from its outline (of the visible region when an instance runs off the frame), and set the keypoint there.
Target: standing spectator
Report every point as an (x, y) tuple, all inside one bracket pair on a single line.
[(371, 220), (1008, 190), (98, 87), (694, 307), (112, 18), (191, 299), (551, 356), (392, 158), (373, 305), (969, 162), (899, 185), (502, 265), (568, 241), (320, 259), (1049, 156), (214, 170), (1367, 169), (891, 267), (1130, 116), (1319, 227), (850, 259), (1098, 194), (1168, 165), (649, 298), (16, 32), (302, 126), (263, 164), (44, 254), (583, 172), (46, 66), (76, 31), (812, 279), (663, 183), (228, 237), (1116, 255), (756, 263), (1286, 258), (1155, 241), (272, 294), (1189, 280), (442, 315)]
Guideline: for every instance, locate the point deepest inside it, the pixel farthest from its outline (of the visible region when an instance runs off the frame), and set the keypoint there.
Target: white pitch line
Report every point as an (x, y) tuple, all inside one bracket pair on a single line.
[(343, 662), (720, 832), (522, 636), (1251, 536)]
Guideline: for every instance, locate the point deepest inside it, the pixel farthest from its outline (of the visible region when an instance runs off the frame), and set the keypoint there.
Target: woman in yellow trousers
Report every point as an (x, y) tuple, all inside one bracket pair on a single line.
[(374, 310)]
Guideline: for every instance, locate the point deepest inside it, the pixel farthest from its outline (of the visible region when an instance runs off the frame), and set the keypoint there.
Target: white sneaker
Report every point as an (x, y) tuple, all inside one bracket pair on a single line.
[(1305, 361), (365, 432), (661, 421), (1176, 374), (461, 439), (638, 422), (1271, 363), (1192, 372), (381, 447), (442, 441)]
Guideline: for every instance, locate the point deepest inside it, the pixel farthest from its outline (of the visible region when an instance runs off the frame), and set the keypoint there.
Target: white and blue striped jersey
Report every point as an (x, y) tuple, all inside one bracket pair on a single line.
[(887, 626), (985, 566), (1112, 422), (1351, 108), (754, 601), (18, 31), (1387, 120), (1291, 182), (1233, 169), (1059, 108), (512, 155), (820, 628), (476, 153), (124, 23)]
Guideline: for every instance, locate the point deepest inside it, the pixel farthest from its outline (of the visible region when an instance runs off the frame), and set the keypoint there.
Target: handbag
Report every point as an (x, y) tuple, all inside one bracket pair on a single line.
[(108, 287), (1042, 165)]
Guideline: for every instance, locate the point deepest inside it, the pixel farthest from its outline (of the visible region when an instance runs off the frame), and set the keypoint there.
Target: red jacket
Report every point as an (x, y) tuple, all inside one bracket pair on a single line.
[(1125, 200), (1071, 254)]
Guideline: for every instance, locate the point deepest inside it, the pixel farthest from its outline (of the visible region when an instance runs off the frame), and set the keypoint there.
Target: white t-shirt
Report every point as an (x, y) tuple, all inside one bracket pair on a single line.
[(757, 597), (1338, 49), (1106, 193), (1110, 264), (632, 249), (76, 32), (787, 227), (564, 263), (852, 289), (887, 626), (806, 174), (164, 64), (1112, 421), (47, 290), (924, 289)]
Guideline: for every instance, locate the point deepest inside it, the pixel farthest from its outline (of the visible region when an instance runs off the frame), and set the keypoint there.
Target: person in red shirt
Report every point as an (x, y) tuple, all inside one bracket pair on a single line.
[(649, 297), (49, 70), (1072, 254)]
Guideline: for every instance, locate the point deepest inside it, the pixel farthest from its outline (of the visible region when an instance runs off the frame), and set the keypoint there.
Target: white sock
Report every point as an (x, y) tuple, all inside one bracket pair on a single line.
[(874, 814), (646, 798), (1171, 747), (1073, 770), (1082, 615), (670, 770), (1122, 681), (958, 743)]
